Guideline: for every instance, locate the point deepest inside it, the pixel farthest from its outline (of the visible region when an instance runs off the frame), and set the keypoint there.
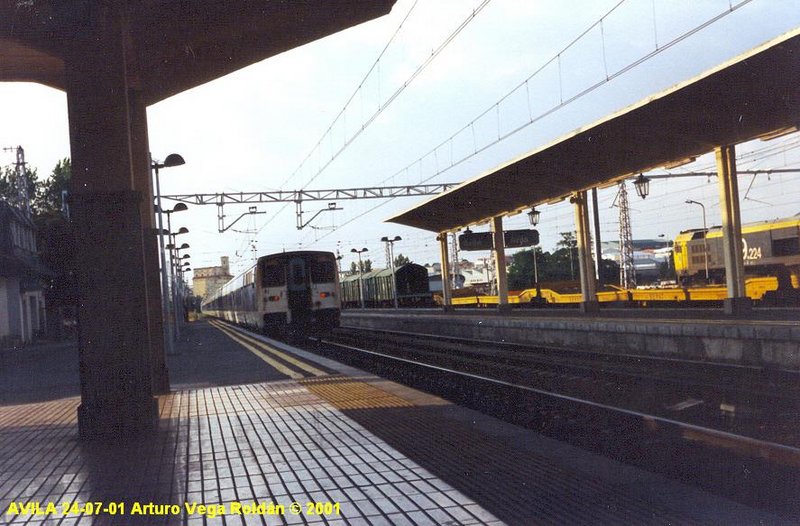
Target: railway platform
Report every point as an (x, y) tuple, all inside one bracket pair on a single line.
[(770, 338), (257, 432)]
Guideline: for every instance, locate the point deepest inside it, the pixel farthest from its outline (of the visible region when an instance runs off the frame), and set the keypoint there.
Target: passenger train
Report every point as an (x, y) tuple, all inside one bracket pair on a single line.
[(283, 294)]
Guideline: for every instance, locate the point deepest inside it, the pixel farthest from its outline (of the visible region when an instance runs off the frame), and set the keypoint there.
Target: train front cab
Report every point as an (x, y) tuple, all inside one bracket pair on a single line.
[(301, 293)]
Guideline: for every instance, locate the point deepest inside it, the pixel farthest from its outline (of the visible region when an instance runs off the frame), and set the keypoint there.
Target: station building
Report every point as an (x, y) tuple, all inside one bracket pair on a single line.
[(22, 306), (206, 280)]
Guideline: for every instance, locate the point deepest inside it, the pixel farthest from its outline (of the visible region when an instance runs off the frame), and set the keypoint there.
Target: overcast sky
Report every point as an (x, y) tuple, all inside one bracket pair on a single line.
[(251, 130)]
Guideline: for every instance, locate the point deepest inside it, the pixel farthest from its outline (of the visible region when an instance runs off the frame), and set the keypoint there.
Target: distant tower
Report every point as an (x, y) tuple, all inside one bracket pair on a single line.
[(454, 261), (627, 273), (20, 181)]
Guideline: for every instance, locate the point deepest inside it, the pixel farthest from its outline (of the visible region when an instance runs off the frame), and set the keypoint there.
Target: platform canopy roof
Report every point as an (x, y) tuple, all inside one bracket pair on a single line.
[(175, 44), (751, 96)]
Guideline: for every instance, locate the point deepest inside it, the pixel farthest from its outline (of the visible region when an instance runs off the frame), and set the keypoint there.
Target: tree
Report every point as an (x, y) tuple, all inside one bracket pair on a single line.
[(552, 267), (55, 239), (50, 193), (609, 271), (566, 252), (366, 266), (520, 272), (401, 260), (666, 270), (46, 197), (7, 191)]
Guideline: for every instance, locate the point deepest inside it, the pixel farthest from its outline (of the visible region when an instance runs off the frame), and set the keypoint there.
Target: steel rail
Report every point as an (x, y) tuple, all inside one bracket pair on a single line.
[(772, 451)]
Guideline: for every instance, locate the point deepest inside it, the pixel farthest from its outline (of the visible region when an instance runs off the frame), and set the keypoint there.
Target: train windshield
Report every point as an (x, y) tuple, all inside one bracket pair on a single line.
[(298, 272), (273, 275), (323, 271)]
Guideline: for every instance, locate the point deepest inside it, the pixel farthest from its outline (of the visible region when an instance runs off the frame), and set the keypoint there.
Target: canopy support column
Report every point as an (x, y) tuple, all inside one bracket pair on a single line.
[(500, 263), (114, 338), (589, 301), (598, 245), (143, 183), (444, 259), (732, 244)]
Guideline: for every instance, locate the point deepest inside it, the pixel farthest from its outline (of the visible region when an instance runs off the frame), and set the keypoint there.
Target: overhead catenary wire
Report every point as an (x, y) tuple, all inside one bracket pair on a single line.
[(382, 106), (563, 103), (435, 53)]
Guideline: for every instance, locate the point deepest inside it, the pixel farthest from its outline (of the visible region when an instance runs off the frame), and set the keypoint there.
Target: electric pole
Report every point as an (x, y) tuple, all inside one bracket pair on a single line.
[(627, 272)]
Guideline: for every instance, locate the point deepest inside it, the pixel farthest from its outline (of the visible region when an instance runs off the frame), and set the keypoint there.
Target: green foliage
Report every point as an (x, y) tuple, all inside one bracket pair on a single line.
[(609, 272), (45, 196), (401, 260), (49, 194), (55, 239), (366, 266), (552, 267), (666, 270), (7, 191)]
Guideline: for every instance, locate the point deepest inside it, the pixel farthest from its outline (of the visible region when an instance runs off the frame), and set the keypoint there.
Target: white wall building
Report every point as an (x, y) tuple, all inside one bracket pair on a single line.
[(22, 313)]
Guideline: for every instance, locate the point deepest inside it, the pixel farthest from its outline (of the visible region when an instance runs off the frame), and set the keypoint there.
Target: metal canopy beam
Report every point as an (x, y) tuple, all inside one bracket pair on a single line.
[(750, 96)]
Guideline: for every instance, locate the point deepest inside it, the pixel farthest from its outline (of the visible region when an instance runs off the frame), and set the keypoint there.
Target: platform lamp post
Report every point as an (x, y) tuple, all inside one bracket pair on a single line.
[(172, 159), (174, 250), (642, 186), (360, 275), (705, 235), (390, 247), (178, 295), (182, 287), (533, 218), (182, 264), (180, 207)]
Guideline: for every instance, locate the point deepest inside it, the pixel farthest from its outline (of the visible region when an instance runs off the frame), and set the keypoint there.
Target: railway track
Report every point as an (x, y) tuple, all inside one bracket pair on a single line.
[(729, 429), (732, 398)]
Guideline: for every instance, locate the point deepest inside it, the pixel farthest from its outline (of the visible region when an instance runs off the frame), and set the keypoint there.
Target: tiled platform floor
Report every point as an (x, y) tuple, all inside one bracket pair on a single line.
[(236, 430), (270, 442)]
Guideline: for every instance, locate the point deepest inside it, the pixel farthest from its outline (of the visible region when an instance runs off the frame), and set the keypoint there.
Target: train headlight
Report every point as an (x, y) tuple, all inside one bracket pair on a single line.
[(324, 295), (274, 298)]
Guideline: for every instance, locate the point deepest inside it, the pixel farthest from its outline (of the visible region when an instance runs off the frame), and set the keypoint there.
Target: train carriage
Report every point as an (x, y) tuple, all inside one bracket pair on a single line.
[(411, 281), (413, 286), (282, 294)]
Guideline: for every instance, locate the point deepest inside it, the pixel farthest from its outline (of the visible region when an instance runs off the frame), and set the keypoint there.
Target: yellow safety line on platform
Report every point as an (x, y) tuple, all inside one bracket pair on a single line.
[(285, 357), (291, 373)]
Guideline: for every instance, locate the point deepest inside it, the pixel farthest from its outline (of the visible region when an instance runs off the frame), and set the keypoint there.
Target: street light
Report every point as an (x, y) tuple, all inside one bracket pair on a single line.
[(360, 275), (174, 259), (179, 289), (390, 248), (533, 217), (705, 235), (172, 159), (642, 186)]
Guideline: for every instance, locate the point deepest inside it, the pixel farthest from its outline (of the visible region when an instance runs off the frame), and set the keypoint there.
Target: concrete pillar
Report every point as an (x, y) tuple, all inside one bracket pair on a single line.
[(585, 263), (499, 253), (598, 245), (444, 258), (737, 300), (115, 363), (143, 183)]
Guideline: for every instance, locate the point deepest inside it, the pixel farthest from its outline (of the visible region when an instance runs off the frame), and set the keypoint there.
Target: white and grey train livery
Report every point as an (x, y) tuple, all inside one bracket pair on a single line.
[(282, 294)]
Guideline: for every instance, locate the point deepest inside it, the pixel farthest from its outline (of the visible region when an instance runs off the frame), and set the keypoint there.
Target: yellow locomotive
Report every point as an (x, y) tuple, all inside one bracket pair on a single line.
[(770, 248)]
